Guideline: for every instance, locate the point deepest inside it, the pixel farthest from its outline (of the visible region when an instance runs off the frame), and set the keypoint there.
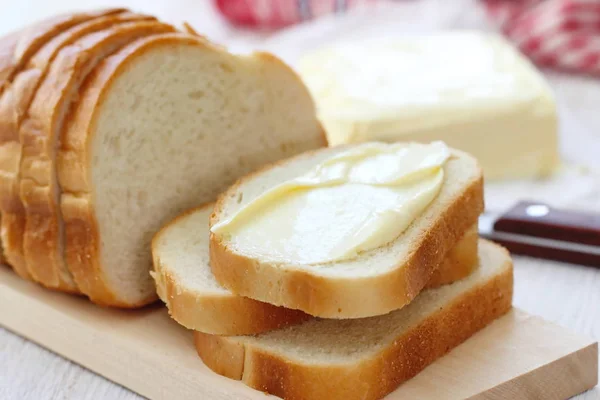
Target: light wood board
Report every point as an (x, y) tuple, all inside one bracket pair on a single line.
[(518, 356)]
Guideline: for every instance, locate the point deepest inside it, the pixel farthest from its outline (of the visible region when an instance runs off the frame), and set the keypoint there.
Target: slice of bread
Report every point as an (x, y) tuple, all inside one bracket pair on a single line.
[(14, 105), (366, 358), (186, 284), (373, 283), (16, 49), (163, 125), (43, 240)]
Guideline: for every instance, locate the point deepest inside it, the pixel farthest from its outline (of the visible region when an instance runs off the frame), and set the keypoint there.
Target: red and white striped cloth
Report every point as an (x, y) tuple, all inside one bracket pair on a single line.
[(280, 13), (561, 34)]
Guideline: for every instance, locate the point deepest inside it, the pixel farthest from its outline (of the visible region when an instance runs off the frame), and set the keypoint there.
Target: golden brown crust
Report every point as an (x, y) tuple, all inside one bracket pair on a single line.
[(81, 228), (17, 47), (190, 29), (12, 243), (222, 356), (330, 297), (39, 134), (229, 314), (15, 51), (8, 61), (2, 256), (371, 378), (14, 105), (459, 262), (221, 315)]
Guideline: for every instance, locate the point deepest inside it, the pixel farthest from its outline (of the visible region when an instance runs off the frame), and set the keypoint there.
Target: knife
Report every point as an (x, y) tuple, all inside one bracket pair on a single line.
[(538, 230)]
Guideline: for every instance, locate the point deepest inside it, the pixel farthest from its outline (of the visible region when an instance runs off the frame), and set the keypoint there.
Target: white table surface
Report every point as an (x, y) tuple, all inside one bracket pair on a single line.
[(566, 294)]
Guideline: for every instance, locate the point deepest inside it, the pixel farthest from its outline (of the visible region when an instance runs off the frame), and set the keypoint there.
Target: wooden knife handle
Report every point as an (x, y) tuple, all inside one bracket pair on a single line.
[(548, 252), (539, 220)]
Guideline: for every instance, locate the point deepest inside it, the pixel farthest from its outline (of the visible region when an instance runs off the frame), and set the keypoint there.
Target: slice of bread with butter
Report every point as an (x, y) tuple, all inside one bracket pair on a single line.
[(345, 232), (472, 90), (195, 299), (367, 358)]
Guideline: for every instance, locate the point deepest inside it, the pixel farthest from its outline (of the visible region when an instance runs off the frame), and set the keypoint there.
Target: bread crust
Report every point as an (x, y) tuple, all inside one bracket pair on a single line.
[(16, 49), (221, 315), (459, 262), (329, 297), (236, 315), (371, 378), (13, 108)]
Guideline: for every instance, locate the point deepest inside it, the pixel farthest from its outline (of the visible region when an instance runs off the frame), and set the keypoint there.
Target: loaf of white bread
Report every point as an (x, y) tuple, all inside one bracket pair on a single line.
[(473, 90), (132, 157), (111, 124)]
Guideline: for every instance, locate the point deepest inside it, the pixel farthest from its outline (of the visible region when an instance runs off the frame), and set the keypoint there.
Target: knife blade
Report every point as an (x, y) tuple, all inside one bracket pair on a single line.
[(538, 230)]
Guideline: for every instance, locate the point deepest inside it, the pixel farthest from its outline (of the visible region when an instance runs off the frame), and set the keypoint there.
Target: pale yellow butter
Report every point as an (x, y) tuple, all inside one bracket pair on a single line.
[(471, 90), (357, 200)]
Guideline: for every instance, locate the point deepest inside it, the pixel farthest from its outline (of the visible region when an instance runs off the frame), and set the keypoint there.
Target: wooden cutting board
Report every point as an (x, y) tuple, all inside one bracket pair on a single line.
[(518, 356)]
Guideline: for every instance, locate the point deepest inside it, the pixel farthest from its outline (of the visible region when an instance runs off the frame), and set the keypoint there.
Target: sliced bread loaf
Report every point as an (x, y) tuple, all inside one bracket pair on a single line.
[(165, 124), (16, 49), (14, 104), (366, 358), (372, 283), (195, 299), (43, 240)]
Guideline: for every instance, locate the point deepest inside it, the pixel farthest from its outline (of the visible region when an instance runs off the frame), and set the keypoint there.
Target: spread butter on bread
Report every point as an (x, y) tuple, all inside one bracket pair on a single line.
[(371, 282)]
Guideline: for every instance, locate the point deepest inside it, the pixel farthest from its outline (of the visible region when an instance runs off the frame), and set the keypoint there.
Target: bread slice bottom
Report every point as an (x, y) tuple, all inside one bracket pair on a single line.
[(195, 299), (366, 358)]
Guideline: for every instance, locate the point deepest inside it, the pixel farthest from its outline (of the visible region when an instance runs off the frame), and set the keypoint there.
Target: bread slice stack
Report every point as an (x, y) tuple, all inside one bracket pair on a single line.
[(350, 329), (125, 142), (111, 124)]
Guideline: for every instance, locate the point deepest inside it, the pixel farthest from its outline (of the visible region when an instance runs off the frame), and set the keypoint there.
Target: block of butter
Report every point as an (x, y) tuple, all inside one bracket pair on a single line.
[(472, 90)]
